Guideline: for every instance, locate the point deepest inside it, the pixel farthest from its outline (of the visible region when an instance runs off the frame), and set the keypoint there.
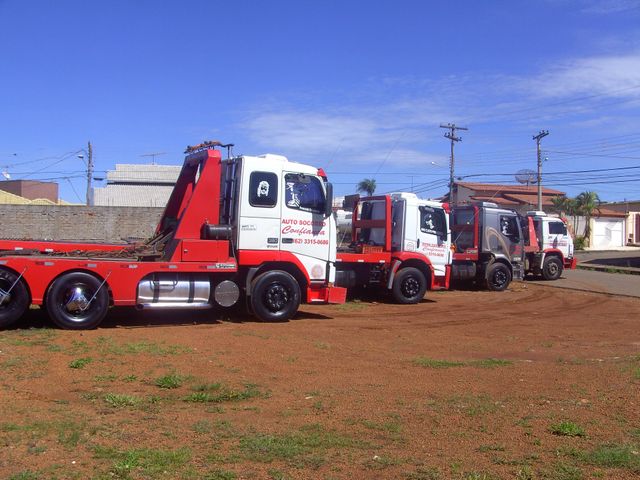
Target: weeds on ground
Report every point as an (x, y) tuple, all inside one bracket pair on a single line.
[(610, 455), (567, 429), (151, 463), (107, 345), (218, 393), (483, 363), (306, 447), (28, 338), (424, 473), (562, 471), (117, 400), (80, 363), (220, 475), (169, 381), (473, 405)]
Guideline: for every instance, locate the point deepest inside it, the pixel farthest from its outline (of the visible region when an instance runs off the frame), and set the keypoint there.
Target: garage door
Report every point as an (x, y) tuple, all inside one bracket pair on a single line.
[(608, 233)]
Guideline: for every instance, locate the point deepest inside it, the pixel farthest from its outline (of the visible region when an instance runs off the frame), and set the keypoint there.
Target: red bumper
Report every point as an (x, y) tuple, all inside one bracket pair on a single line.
[(326, 295), (570, 263)]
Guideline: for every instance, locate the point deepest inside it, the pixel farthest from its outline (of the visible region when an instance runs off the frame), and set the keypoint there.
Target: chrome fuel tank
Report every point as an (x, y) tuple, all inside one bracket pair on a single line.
[(174, 290)]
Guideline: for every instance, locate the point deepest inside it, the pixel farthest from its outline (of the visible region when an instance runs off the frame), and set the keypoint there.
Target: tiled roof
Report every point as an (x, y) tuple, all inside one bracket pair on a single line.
[(490, 187), (155, 174), (132, 195), (531, 199), (500, 200), (606, 212)]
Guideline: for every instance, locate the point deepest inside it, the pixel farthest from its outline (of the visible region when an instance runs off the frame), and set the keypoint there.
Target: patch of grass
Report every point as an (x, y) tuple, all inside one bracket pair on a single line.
[(28, 338), (473, 405), (322, 345), (478, 476), (202, 426), (567, 429), (107, 345), (25, 475), (150, 463), (218, 393), (80, 363), (117, 400), (380, 462), (562, 471), (525, 473), (107, 377), (129, 378), (491, 448), (277, 474), (491, 363), (432, 363), (70, 434), (169, 381), (220, 475), (424, 473), (304, 448), (351, 306), (483, 363), (611, 455)]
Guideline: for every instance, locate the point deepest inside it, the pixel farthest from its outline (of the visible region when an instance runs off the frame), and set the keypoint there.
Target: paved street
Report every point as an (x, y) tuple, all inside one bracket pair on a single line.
[(591, 281)]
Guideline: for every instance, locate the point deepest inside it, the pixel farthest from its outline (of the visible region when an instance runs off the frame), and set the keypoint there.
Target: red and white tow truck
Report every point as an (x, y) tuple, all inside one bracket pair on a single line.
[(399, 244), (254, 227)]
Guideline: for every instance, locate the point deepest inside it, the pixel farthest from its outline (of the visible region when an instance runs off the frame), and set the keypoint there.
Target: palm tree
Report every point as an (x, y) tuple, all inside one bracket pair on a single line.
[(587, 203), (368, 186)]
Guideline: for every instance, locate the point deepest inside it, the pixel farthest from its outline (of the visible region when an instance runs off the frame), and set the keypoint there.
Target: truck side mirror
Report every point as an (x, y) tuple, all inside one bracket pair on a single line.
[(328, 205)]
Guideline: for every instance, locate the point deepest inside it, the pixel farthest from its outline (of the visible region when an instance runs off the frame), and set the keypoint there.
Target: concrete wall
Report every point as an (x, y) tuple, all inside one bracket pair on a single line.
[(59, 222)]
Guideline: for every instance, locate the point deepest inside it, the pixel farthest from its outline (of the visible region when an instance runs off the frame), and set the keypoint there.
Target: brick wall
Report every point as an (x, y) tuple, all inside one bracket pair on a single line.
[(111, 224)]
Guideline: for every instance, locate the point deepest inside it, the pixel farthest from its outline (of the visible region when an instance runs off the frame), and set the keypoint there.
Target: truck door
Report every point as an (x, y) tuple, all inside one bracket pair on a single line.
[(556, 236), (433, 237), (259, 218), (304, 230)]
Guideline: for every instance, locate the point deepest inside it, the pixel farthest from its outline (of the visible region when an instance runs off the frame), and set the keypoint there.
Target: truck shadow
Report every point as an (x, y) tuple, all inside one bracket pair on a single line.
[(128, 317)]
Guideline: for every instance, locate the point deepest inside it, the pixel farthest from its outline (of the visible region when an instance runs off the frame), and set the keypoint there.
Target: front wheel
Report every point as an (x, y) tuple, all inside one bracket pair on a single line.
[(409, 286), (14, 298), (77, 301), (552, 268), (275, 296), (498, 277)]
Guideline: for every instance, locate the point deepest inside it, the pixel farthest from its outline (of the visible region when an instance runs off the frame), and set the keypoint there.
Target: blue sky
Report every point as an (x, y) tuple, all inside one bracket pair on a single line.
[(356, 87)]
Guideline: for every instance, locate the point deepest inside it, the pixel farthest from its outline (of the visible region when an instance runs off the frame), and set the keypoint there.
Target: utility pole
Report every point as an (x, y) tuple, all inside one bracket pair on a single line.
[(452, 136), (537, 138), (89, 171)]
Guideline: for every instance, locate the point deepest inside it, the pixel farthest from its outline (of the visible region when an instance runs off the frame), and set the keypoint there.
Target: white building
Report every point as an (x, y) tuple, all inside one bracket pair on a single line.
[(137, 186)]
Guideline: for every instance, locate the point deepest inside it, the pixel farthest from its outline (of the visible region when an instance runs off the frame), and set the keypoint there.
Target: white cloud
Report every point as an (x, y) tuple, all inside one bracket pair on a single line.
[(396, 121), (615, 75)]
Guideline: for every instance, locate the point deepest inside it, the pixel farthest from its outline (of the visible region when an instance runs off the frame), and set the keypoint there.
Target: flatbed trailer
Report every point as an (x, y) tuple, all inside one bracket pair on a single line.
[(258, 228)]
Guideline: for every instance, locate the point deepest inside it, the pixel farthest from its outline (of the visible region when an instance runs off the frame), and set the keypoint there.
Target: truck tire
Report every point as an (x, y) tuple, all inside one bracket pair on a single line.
[(13, 305), (498, 277), (275, 296), (551, 268), (409, 286), (68, 297)]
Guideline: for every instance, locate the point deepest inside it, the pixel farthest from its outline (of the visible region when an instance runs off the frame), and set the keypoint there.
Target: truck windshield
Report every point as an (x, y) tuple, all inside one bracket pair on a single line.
[(304, 192)]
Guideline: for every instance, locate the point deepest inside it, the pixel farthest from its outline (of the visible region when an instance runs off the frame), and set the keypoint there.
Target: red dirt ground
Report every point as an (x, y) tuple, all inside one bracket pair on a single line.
[(362, 390)]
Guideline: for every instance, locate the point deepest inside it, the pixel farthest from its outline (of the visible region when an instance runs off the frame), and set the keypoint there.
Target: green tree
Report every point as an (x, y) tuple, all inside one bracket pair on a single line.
[(587, 204), (368, 186)]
